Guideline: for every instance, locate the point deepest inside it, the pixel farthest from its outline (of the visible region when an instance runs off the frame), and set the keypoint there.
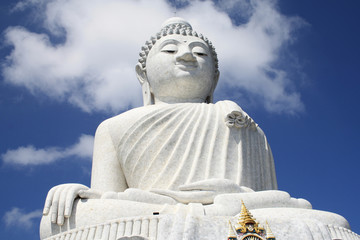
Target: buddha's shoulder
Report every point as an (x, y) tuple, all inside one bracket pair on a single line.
[(127, 117), (232, 109), (133, 115), (229, 105)]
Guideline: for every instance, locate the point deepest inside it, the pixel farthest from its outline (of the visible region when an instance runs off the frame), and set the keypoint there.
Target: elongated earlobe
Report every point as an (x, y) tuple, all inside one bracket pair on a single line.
[(147, 95), (148, 98)]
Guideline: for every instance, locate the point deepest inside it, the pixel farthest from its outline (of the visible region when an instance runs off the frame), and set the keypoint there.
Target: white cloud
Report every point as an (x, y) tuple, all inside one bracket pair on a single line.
[(18, 218), (94, 67), (29, 155), (83, 148), (22, 5)]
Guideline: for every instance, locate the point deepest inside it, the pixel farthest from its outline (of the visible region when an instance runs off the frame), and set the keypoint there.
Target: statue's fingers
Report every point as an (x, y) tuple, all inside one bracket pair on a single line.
[(48, 201), (61, 206), (89, 193), (69, 200), (55, 204), (72, 193), (113, 195), (207, 185), (161, 191), (200, 185), (164, 192), (138, 195), (216, 185), (187, 196)]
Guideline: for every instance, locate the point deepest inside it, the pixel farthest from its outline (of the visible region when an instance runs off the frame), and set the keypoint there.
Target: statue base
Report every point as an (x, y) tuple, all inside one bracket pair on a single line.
[(189, 223)]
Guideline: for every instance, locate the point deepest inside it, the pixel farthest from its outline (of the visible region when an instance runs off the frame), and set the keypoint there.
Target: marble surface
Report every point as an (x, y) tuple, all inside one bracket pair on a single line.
[(180, 166), (285, 223)]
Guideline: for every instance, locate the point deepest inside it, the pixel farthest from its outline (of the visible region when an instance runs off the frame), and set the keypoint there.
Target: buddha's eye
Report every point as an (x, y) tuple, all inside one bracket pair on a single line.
[(199, 51), (169, 48), (200, 54), (169, 51)]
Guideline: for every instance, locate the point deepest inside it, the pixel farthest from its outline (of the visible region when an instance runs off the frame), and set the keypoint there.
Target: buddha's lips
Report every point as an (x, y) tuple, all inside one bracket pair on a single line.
[(186, 65)]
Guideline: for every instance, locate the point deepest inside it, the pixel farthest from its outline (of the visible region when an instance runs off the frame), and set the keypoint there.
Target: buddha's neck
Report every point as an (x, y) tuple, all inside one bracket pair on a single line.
[(172, 100)]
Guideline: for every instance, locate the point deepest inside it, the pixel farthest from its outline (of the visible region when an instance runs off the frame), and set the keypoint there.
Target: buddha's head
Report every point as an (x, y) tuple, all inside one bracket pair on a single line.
[(177, 65)]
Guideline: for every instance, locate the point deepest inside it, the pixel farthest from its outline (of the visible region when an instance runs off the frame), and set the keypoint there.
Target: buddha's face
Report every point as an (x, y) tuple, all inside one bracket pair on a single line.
[(181, 68)]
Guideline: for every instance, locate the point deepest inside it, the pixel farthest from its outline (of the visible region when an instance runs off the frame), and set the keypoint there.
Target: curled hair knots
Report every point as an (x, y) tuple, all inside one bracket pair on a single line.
[(179, 29)]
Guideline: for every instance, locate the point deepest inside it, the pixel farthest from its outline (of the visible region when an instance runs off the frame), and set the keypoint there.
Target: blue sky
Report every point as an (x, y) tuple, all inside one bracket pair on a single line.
[(68, 65)]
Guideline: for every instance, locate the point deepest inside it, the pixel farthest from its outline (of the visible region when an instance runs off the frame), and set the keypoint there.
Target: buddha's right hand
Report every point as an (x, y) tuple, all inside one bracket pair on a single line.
[(60, 199)]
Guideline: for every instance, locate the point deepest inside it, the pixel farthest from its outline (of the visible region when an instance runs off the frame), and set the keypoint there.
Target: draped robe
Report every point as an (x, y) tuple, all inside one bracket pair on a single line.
[(167, 145), (164, 146)]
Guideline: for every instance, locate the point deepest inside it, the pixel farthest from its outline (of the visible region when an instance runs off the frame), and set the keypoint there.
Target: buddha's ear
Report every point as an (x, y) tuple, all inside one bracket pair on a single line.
[(140, 73), (148, 98), (216, 79)]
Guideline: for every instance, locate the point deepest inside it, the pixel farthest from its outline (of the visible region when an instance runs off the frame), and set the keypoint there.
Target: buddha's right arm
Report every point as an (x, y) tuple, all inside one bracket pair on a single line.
[(107, 176)]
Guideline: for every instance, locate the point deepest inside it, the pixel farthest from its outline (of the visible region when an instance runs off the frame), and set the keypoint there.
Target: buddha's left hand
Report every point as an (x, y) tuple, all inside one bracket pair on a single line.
[(203, 191)]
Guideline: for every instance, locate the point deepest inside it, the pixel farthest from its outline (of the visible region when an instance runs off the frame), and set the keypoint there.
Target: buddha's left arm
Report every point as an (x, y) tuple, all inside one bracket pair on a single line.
[(203, 191)]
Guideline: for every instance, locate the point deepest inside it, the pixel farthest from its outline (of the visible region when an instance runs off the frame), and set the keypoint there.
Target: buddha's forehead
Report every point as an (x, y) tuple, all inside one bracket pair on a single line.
[(181, 39)]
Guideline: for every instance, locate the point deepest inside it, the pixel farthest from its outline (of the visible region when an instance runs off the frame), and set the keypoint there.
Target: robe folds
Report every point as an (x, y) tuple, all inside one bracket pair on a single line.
[(167, 145)]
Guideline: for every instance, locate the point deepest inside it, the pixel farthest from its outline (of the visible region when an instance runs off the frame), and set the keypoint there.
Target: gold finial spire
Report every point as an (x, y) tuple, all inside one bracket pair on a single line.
[(269, 234), (248, 228), (247, 221), (231, 234), (245, 215)]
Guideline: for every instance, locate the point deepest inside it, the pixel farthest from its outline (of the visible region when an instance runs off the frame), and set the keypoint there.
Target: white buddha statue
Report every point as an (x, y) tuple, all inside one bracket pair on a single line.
[(178, 154)]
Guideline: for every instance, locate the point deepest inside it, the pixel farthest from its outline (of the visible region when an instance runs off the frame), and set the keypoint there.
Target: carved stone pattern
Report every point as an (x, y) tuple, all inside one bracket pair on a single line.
[(144, 227), (239, 120)]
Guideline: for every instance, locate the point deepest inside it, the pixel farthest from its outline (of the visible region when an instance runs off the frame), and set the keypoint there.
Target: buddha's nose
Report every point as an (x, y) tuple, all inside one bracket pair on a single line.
[(185, 54)]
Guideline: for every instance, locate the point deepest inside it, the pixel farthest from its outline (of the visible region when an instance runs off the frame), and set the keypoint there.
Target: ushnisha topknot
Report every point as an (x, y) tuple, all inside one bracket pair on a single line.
[(178, 26)]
